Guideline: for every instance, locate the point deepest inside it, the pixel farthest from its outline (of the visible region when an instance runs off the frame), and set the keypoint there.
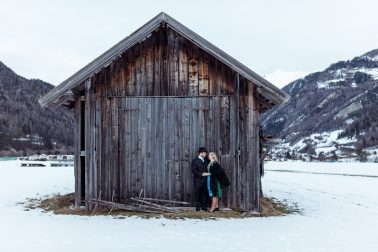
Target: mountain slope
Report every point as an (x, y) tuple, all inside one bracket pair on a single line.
[(343, 99), (25, 127)]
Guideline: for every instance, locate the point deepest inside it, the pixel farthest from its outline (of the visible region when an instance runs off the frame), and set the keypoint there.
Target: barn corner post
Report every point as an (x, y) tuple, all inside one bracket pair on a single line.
[(79, 166), (254, 109), (77, 115), (249, 146), (241, 200), (89, 143)]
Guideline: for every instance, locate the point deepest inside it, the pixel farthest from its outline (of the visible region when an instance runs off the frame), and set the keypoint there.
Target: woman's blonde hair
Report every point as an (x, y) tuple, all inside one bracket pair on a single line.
[(215, 156)]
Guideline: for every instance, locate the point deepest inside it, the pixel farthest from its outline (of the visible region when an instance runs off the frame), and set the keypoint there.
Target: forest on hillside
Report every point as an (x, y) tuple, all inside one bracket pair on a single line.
[(25, 127)]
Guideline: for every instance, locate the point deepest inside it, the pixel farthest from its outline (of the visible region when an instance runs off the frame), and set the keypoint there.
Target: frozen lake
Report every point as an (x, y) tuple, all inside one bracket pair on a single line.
[(339, 203)]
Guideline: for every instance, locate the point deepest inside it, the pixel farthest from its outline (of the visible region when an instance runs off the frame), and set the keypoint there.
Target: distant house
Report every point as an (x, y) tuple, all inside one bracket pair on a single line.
[(144, 107)]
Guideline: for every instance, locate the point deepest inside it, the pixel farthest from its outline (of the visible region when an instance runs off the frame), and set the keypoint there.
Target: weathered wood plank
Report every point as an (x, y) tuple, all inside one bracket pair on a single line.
[(157, 66), (131, 73), (203, 73), (134, 129), (171, 135), (183, 76), (193, 72), (243, 156), (173, 84), (149, 139), (122, 75), (88, 142), (237, 138), (192, 139), (251, 151), (228, 82), (225, 161), (178, 109), (255, 187), (128, 141), (98, 142), (164, 182), (142, 157), (216, 124), (138, 69), (187, 153), (161, 117), (150, 67), (77, 167), (103, 145), (194, 126), (165, 65), (221, 78), (225, 125), (122, 150), (154, 145), (202, 87), (115, 149), (108, 153), (143, 68), (211, 68), (234, 190), (203, 119), (93, 141)]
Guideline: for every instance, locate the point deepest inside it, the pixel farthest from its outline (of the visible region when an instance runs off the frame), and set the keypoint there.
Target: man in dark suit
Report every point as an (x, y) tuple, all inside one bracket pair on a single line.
[(199, 170)]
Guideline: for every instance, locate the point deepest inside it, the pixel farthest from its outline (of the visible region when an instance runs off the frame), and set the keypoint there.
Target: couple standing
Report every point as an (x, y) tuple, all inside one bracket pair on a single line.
[(208, 179)]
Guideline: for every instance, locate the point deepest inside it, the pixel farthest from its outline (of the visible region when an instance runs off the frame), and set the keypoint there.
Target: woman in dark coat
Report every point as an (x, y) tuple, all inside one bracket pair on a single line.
[(215, 181)]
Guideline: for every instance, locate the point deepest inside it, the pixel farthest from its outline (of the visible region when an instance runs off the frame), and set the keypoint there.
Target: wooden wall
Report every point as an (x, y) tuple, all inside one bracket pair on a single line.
[(165, 64), (147, 113)]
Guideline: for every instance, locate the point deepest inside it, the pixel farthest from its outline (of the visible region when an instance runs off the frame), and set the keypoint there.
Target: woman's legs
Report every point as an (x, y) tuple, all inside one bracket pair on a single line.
[(214, 203)]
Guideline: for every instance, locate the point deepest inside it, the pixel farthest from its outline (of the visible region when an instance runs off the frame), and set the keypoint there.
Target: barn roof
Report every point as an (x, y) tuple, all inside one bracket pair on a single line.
[(66, 90)]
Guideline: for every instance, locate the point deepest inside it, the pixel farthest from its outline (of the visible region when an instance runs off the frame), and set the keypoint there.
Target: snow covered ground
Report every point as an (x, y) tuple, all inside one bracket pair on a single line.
[(339, 213)]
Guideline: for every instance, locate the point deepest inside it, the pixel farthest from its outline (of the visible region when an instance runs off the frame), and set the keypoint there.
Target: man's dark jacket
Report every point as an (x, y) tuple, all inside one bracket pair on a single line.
[(199, 167)]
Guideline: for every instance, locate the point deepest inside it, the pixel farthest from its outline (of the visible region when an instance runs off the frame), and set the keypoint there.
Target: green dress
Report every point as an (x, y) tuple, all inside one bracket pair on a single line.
[(218, 186)]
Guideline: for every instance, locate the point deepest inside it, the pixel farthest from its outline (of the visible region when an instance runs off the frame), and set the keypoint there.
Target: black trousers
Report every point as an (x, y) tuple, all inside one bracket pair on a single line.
[(201, 194)]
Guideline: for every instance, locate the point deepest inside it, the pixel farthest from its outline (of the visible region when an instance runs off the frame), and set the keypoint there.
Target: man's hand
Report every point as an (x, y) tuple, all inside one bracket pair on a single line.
[(205, 174)]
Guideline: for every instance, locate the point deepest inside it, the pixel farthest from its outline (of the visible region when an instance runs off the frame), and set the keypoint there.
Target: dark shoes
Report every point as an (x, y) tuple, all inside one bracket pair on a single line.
[(199, 208), (214, 210)]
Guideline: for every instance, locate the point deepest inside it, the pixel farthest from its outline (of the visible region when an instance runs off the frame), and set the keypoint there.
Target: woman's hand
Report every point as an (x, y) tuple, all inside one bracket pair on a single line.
[(205, 174)]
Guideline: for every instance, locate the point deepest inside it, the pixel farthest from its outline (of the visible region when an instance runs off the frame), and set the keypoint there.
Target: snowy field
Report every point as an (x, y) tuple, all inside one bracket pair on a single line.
[(339, 203)]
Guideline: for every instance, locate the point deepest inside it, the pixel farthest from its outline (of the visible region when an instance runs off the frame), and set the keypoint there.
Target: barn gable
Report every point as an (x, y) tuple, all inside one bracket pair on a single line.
[(64, 93)]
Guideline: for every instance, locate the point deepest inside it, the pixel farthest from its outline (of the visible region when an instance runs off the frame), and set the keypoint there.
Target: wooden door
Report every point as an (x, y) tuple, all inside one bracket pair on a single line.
[(158, 138)]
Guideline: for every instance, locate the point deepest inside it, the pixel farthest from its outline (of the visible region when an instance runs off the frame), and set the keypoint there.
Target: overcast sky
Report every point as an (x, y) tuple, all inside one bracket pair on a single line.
[(51, 40)]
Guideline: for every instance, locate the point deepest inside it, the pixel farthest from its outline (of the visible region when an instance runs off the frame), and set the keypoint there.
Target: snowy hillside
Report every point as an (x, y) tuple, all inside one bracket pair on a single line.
[(339, 212), (332, 113)]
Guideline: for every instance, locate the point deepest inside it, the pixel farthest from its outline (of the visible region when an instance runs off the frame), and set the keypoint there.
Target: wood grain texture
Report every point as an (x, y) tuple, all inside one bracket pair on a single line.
[(77, 166)]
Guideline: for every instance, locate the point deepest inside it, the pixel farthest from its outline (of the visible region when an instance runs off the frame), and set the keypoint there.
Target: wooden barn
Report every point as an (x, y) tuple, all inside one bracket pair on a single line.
[(145, 106)]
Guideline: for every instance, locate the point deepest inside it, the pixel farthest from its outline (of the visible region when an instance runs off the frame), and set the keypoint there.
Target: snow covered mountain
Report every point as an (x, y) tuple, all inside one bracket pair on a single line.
[(281, 78), (332, 114)]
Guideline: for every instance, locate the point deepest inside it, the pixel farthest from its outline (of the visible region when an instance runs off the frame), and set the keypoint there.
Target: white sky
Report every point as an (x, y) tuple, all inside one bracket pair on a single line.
[(51, 40)]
